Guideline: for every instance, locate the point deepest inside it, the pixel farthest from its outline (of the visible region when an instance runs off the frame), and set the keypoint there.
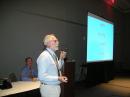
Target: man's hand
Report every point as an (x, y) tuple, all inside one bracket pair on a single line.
[(34, 79), (62, 55), (63, 79)]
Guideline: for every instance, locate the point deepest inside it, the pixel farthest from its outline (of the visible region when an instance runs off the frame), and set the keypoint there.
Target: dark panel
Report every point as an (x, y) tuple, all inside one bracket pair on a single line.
[(68, 88), (99, 72)]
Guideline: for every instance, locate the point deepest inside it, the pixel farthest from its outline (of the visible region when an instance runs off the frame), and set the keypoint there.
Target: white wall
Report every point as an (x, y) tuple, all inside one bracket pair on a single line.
[(23, 24)]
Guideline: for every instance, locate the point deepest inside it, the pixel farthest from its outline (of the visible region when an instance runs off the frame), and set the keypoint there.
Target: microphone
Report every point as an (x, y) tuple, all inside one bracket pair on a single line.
[(64, 49)]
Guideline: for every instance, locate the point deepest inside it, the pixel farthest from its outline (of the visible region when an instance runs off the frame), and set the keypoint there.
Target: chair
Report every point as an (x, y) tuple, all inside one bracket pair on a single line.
[(12, 77)]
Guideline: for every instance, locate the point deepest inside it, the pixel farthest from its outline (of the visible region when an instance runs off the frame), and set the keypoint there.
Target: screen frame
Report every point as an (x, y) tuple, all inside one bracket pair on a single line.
[(105, 20)]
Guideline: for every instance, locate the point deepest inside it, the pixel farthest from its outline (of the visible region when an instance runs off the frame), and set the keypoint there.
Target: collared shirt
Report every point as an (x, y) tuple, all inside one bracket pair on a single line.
[(25, 74), (47, 70)]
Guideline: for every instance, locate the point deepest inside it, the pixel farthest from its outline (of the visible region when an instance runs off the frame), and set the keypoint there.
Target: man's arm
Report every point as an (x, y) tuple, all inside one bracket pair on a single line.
[(61, 63), (61, 59)]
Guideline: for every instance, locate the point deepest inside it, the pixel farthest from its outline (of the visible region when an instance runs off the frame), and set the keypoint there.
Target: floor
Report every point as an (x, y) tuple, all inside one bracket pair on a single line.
[(118, 87)]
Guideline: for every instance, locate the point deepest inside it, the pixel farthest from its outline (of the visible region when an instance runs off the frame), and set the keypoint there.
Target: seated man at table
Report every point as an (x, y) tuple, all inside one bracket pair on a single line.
[(28, 73)]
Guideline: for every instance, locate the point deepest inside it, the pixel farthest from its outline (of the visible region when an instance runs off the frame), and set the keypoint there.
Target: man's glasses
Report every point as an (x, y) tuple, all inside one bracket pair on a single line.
[(55, 41)]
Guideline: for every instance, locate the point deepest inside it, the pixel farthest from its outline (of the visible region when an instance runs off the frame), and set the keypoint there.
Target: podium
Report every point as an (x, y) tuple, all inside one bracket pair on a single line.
[(67, 89)]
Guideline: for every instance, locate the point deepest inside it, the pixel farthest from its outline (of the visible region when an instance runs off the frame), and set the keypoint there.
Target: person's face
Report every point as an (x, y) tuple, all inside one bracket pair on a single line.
[(54, 44), (29, 62)]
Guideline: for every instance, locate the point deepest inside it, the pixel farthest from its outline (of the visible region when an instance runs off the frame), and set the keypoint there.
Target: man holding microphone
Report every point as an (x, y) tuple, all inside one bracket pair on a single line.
[(49, 66)]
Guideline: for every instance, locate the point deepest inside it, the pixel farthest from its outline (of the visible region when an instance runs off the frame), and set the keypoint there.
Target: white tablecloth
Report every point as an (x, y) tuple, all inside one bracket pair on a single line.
[(20, 86)]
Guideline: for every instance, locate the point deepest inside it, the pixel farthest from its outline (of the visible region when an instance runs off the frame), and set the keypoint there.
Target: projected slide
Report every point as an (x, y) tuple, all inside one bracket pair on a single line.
[(99, 39)]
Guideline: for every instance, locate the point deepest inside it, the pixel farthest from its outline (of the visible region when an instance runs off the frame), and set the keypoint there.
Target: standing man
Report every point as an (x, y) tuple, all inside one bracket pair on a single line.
[(49, 67)]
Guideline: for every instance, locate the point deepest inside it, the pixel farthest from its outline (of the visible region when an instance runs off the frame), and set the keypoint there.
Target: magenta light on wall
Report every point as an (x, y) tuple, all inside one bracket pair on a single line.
[(110, 2)]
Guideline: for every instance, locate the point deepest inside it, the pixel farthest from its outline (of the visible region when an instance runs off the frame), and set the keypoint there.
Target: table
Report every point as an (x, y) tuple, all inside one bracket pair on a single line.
[(20, 87), (31, 89)]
